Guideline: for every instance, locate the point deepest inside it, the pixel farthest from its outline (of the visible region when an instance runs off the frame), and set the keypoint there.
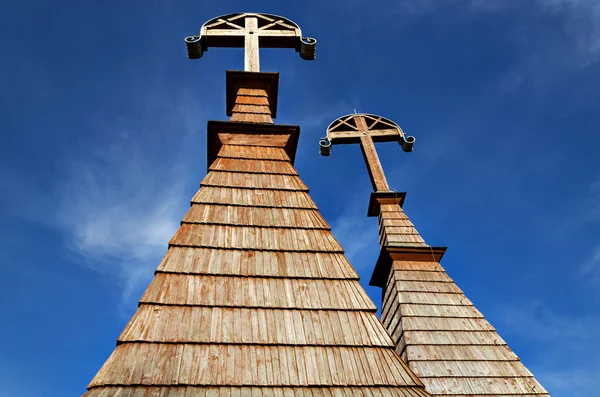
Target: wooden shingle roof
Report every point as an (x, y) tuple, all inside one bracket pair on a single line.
[(444, 339), (254, 296)]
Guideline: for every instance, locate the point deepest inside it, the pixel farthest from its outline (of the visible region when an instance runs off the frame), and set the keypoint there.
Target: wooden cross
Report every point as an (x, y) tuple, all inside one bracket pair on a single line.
[(251, 31), (367, 129)]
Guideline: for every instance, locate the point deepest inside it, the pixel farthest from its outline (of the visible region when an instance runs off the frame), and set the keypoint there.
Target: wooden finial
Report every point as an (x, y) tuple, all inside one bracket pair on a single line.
[(367, 129), (250, 31)]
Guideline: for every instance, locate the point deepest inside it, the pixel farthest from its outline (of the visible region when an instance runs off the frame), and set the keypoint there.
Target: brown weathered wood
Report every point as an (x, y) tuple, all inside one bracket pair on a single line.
[(251, 57), (255, 140), (246, 391), (370, 155), (262, 167), (373, 165), (255, 292), (253, 197), (255, 296), (430, 337), (212, 261), (445, 339), (380, 365), (259, 238), (255, 216), (241, 33), (365, 130), (251, 108), (251, 31), (253, 152), (254, 181), (348, 137)]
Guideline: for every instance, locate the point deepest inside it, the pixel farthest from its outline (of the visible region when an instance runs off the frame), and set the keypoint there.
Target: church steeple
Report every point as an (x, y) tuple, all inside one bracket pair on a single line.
[(254, 296), (444, 339)]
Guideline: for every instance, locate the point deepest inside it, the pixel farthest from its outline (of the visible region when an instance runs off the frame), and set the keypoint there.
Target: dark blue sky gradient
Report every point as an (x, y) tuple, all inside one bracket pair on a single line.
[(103, 142)]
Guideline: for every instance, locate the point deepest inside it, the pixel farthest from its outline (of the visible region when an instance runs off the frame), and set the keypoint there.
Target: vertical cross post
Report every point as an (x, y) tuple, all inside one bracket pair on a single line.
[(367, 147), (366, 129), (251, 53)]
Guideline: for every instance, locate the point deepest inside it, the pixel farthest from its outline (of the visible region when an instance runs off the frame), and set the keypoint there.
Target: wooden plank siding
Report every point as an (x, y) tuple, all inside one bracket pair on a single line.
[(253, 197), (252, 105), (248, 391), (253, 153), (209, 364), (254, 181), (255, 238), (250, 263), (241, 165), (255, 216), (246, 325), (438, 331), (255, 297), (396, 230), (275, 292)]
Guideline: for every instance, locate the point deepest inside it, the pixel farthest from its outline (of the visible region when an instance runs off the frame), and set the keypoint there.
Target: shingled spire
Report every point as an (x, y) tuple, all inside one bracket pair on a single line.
[(254, 296), (444, 339)]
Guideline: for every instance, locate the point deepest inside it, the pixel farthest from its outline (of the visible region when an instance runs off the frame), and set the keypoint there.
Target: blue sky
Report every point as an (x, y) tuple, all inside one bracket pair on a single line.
[(103, 144)]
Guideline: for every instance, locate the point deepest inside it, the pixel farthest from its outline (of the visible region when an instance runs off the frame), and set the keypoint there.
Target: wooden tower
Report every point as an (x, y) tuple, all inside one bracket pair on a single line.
[(254, 296), (444, 339)]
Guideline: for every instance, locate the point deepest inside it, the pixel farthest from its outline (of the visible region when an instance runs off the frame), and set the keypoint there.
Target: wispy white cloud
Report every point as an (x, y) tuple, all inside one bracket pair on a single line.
[(536, 321), (118, 211), (357, 233), (119, 204), (581, 21), (572, 382), (591, 267)]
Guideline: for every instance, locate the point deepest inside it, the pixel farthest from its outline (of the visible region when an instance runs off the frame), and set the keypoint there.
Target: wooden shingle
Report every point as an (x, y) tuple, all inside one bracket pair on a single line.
[(445, 340), (255, 296)]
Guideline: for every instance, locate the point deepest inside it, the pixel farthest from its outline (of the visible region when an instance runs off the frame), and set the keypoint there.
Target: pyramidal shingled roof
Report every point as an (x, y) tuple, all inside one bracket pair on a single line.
[(254, 296), (446, 341)]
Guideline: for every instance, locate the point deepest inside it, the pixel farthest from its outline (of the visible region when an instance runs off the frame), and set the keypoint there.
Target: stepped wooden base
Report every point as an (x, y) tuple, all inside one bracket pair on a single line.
[(253, 134), (253, 80), (414, 254), (379, 198)]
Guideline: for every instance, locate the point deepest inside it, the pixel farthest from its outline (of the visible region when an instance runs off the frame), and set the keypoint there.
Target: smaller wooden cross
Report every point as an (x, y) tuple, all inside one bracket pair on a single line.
[(366, 129), (250, 31)]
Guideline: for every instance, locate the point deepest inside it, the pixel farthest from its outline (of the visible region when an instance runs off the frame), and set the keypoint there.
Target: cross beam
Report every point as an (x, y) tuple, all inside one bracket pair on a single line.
[(250, 31), (366, 129)]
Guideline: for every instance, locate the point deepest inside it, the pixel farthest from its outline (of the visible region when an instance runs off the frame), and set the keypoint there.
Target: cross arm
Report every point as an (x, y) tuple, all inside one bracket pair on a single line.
[(353, 127), (366, 129), (235, 38), (345, 137), (233, 30)]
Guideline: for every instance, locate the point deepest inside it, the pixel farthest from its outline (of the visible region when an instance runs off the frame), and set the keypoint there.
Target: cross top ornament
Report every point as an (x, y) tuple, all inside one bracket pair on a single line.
[(251, 31), (366, 129)]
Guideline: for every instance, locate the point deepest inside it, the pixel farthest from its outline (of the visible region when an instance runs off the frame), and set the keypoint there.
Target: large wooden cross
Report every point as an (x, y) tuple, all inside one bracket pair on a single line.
[(366, 129), (250, 31)]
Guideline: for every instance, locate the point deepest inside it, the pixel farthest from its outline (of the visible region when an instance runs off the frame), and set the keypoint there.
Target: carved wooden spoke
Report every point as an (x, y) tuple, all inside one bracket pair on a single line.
[(366, 129), (251, 31)]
